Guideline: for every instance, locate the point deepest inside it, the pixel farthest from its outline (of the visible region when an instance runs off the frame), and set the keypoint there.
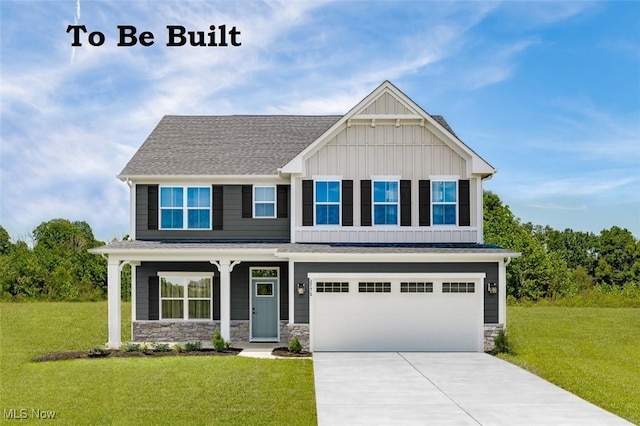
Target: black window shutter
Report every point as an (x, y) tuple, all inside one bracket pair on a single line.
[(216, 297), (154, 297), (152, 207), (218, 206), (424, 203), (405, 203), (347, 203), (464, 203), (247, 201), (365, 203), (307, 203), (283, 201)]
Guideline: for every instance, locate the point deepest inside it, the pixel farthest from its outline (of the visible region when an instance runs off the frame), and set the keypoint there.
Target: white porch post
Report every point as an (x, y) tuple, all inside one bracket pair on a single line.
[(502, 293), (134, 285), (225, 267), (113, 295), (292, 293)]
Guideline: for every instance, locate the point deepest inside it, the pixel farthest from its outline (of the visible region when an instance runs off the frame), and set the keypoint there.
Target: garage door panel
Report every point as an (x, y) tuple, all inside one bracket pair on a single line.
[(396, 321)]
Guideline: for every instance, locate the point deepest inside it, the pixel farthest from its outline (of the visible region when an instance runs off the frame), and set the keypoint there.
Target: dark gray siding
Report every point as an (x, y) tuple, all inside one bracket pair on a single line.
[(235, 227), (302, 269), (239, 286)]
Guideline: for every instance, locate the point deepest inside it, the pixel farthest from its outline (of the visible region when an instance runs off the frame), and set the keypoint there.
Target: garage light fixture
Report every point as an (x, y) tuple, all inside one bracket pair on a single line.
[(492, 288), (300, 289)]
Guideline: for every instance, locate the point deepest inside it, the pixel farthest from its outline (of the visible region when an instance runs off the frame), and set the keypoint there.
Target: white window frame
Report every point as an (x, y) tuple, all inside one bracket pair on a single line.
[(337, 179), (185, 208), (185, 298), (274, 202), (444, 178), (375, 179)]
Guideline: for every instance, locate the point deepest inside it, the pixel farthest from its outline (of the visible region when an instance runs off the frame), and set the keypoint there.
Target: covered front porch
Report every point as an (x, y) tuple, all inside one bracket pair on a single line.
[(186, 291)]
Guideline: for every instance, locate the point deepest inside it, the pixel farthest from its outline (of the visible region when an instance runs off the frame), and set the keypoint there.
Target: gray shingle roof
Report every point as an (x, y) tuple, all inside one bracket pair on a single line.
[(300, 248), (228, 145), (225, 145)]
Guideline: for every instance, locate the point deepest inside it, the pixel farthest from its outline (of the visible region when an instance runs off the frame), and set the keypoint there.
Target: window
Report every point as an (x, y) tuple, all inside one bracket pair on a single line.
[(332, 287), (185, 207), (264, 201), (385, 202), (444, 202), (327, 202), (374, 287), (458, 288), (416, 287), (186, 297)]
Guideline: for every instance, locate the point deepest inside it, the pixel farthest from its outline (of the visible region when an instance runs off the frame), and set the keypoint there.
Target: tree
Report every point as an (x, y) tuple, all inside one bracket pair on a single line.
[(5, 241), (618, 257)]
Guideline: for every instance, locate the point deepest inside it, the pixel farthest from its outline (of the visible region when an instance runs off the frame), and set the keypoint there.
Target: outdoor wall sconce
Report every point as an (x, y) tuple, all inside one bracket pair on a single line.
[(300, 289), (492, 288)]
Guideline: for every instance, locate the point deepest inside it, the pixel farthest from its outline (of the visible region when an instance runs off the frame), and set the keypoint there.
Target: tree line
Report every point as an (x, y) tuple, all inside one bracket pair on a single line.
[(553, 264)]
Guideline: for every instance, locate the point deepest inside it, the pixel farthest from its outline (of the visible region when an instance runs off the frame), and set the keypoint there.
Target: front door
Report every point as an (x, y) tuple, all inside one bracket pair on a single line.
[(264, 304)]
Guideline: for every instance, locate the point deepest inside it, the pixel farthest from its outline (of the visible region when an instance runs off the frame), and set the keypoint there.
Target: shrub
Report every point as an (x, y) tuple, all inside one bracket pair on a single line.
[(501, 342), (177, 348), (192, 346), (146, 347), (97, 350), (295, 346), (130, 347), (219, 344), (161, 347)]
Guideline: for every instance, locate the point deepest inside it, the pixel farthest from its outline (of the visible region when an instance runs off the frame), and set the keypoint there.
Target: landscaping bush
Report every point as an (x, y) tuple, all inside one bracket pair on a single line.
[(501, 342), (295, 346), (219, 344), (161, 347), (192, 346), (130, 347)]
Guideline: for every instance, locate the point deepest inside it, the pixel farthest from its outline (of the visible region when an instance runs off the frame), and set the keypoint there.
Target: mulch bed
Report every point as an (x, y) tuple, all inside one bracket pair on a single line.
[(284, 352), (109, 353)]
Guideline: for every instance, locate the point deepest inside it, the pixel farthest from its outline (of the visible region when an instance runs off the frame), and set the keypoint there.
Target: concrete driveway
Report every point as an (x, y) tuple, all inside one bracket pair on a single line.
[(391, 388)]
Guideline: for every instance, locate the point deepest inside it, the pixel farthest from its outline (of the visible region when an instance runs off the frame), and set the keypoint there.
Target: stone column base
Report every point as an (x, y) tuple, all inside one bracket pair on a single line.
[(491, 331)]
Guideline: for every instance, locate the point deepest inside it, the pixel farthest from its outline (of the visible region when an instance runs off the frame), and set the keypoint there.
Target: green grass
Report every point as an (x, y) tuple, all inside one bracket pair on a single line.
[(173, 390), (591, 352)]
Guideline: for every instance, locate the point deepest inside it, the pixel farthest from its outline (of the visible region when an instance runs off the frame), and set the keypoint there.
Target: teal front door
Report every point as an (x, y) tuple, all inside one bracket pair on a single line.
[(264, 309)]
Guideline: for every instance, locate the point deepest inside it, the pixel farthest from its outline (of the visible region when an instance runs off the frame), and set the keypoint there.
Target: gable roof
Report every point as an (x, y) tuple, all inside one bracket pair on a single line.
[(236, 145), (437, 124), (224, 145)]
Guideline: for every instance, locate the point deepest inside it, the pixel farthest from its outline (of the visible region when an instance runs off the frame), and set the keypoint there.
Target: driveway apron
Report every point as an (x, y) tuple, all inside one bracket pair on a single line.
[(416, 388)]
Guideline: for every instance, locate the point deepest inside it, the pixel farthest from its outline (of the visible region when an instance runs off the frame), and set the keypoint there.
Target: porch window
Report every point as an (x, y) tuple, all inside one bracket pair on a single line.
[(185, 207), (385, 202), (264, 201), (327, 202), (444, 202), (185, 297)]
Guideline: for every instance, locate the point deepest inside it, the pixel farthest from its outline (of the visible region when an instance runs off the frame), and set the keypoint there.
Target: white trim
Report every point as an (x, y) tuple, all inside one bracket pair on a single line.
[(479, 203), (185, 208), (476, 164), (327, 179), (277, 279), (383, 178), (502, 293), (114, 303), (213, 179), (292, 293), (293, 209), (185, 298), (275, 201), (132, 210)]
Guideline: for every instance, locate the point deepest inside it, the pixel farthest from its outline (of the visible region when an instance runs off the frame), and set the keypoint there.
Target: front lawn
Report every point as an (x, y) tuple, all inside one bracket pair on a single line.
[(170, 390), (591, 352)]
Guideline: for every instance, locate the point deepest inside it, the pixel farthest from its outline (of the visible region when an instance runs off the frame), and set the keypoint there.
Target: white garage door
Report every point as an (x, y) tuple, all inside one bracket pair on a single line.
[(396, 312)]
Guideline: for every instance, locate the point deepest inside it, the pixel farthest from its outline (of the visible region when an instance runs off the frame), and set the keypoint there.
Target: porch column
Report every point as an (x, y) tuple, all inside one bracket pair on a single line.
[(502, 293), (134, 285), (113, 295), (224, 267)]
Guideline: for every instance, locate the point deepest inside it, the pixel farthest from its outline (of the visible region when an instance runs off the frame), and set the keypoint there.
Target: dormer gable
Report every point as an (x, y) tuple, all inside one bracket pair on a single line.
[(388, 105)]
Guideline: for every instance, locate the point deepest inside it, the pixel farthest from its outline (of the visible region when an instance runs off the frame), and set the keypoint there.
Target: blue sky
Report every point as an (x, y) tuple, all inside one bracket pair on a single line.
[(547, 92)]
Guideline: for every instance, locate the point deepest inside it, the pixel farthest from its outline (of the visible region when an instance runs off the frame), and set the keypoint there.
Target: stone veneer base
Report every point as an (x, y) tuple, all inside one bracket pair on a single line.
[(189, 331)]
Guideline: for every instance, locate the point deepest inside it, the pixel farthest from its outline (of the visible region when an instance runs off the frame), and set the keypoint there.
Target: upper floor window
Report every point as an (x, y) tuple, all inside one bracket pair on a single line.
[(264, 201), (185, 207), (444, 200), (327, 195), (385, 202)]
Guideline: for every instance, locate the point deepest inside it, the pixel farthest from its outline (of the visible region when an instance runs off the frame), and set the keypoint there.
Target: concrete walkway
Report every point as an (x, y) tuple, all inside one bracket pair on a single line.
[(411, 388)]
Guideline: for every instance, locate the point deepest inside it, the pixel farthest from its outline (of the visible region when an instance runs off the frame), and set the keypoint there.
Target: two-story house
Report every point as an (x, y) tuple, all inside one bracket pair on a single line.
[(353, 232)]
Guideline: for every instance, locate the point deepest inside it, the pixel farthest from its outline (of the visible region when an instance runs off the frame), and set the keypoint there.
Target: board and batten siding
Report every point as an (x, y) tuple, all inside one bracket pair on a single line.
[(234, 226), (409, 151), (301, 269), (239, 286)]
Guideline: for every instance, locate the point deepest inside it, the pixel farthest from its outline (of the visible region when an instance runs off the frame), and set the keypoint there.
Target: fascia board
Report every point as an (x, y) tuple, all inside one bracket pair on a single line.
[(159, 179)]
